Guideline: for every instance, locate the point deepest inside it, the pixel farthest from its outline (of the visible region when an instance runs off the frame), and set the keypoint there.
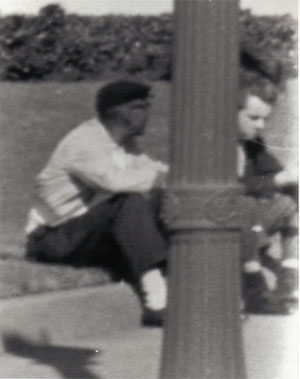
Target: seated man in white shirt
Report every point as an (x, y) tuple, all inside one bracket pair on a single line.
[(92, 198)]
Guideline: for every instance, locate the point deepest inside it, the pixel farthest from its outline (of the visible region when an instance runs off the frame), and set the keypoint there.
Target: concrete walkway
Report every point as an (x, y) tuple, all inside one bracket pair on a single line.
[(96, 333)]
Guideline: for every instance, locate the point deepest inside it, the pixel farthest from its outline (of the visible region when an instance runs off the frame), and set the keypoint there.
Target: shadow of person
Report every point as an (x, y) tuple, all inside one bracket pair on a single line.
[(70, 362)]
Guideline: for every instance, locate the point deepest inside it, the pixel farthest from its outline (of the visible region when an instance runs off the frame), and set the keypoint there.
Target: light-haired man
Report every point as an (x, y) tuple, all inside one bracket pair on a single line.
[(270, 185)]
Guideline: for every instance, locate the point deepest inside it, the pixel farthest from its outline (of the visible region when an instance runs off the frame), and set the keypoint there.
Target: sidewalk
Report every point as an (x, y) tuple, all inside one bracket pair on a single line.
[(95, 333)]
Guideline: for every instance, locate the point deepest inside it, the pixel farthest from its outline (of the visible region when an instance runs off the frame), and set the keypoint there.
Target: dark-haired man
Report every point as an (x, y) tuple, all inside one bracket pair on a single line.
[(268, 183), (92, 198)]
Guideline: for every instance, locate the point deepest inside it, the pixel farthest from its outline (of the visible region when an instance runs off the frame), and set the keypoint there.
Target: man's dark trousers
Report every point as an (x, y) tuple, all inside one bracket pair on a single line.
[(121, 233)]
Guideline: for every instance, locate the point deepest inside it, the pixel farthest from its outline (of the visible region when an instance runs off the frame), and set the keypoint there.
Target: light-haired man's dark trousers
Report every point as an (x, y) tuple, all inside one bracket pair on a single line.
[(121, 234), (275, 214)]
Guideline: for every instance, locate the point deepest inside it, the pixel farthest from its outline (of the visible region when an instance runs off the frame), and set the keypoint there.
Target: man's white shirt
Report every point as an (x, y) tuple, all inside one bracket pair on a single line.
[(86, 168)]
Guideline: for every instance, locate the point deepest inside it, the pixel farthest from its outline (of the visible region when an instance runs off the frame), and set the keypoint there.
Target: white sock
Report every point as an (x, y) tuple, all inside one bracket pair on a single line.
[(290, 263), (155, 289), (251, 267), (257, 228)]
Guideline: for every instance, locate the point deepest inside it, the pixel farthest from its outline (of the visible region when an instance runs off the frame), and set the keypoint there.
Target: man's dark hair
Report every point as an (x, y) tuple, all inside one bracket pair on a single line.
[(118, 93)]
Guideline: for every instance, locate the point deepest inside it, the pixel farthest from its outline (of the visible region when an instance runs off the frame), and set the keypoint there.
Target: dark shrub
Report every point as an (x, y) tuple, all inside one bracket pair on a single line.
[(59, 46)]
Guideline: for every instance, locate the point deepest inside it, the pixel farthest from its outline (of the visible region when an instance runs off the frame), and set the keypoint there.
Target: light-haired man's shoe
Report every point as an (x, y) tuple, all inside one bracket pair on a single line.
[(287, 284), (259, 299)]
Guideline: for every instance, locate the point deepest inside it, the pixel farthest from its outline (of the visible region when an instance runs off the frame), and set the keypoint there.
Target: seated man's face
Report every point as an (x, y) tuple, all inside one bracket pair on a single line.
[(137, 115), (252, 118)]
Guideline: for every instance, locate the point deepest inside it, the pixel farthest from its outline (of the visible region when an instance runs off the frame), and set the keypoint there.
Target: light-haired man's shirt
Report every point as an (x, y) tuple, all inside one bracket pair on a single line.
[(88, 168)]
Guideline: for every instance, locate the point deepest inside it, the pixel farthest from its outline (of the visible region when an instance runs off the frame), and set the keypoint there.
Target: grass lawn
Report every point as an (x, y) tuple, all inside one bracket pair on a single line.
[(34, 116)]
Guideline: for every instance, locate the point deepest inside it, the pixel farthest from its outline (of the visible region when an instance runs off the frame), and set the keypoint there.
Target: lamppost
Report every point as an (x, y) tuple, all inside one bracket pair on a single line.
[(203, 330)]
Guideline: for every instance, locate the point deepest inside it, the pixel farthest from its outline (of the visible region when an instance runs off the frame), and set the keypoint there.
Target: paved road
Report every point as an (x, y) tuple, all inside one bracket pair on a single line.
[(95, 333)]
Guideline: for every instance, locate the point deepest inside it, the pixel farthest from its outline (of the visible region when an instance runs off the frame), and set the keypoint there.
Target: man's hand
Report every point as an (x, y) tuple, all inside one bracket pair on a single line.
[(145, 161), (162, 167)]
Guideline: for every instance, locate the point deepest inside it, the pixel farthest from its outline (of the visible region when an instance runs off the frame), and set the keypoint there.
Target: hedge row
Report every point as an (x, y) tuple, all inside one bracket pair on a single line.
[(58, 46)]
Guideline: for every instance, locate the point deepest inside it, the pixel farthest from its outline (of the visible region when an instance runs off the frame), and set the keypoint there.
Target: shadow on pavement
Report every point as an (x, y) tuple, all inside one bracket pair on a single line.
[(68, 361)]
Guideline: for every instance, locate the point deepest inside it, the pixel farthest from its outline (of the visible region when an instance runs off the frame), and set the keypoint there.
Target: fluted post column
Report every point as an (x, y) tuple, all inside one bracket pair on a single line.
[(203, 333)]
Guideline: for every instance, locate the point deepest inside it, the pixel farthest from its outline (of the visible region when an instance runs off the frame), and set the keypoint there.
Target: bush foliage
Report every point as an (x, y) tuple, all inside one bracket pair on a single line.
[(58, 46)]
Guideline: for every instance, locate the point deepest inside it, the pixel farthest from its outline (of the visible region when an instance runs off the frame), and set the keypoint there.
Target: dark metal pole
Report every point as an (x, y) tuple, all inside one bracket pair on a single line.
[(203, 330)]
